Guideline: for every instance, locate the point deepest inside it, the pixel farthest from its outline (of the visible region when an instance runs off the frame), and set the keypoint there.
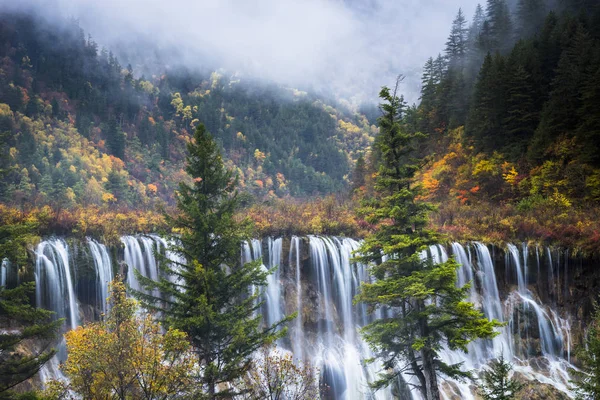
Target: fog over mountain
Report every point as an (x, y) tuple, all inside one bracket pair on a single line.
[(349, 48)]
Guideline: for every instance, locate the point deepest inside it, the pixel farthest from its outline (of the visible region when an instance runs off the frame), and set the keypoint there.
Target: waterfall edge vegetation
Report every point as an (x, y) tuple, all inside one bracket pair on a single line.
[(158, 268), (427, 310), (207, 293)]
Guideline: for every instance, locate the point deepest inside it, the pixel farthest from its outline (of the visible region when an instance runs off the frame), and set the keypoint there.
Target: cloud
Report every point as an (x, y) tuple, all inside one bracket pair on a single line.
[(350, 48)]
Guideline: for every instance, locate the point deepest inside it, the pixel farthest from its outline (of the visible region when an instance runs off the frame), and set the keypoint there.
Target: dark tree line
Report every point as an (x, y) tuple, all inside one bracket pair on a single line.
[(520, 80)]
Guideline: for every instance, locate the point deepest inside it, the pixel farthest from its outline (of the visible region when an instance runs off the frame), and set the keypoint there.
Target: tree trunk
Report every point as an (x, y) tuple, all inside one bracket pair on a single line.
[(431, 383), (432, 392)]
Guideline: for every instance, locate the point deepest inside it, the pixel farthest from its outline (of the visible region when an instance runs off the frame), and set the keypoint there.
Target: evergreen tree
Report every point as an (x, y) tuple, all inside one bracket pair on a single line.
[(589, 113), (474, 53), (476, 25), (359, 174), (498, 29), (209, 294), (428, 101), (560, 115), (21, 321), (496, 383), (26, 324), (521, 115), (484, 124), (530, 17), (587, 377), (456, 46), (426, 308), (115, 139)]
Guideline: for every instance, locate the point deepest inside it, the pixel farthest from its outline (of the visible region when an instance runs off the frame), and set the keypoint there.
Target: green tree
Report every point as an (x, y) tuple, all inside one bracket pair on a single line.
[(359, 173), (115, 139), (209, 295), (487, 112), (530, 17), (500, 29), (521, 114), (587, 378), (560, 114), (496, 382), (456, 45), (428, 309), (21, 321)]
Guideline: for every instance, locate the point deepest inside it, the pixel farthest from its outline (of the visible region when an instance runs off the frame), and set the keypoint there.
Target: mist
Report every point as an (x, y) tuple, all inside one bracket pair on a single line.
[(344, 48)]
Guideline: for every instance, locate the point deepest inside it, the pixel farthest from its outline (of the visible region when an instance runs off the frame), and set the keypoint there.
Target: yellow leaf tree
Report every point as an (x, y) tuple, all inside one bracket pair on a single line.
[(128, 355)]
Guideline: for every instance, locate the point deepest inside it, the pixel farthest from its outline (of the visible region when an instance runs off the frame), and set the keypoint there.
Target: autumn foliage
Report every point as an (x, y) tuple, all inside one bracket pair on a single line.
[(127, 355)]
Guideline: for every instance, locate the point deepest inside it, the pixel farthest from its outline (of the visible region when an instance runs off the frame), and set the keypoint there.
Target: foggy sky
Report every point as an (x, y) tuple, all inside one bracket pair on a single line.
[(350, 47)]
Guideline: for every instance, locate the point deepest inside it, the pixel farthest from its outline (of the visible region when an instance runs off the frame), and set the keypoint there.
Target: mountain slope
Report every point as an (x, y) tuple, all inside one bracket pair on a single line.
[(78, 128)]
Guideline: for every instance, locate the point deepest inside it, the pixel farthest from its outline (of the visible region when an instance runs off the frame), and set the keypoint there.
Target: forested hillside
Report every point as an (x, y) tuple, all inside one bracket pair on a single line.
[(512, 114), (80, 129), (510, 111)]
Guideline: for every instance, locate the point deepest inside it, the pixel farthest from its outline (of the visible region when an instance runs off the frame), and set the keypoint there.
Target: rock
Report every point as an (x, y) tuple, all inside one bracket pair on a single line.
[(534, 390)]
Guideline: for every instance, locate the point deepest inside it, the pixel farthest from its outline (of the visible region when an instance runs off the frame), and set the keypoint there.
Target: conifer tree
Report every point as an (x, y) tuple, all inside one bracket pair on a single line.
[(20, 320), (426, 308), (587, 376), (456, 46), (560, 114), (476, 25), (589, 114), (428, 90), (115, 139), (209, 294), (530, 17), (484, 124), (496, 382), (474, 52), (521, 114), (498, 29)]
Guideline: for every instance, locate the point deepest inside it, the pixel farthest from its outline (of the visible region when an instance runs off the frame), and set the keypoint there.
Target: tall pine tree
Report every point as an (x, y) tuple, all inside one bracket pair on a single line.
[(209, 294), (456, 45), (530, 17), (487, 112), (427, 310)]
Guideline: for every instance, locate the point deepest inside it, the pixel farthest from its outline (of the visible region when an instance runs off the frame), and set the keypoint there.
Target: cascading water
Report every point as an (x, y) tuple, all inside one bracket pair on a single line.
[(274, 294), (54, 291), (339, 351), (3, 272), (53, 281), (321, 281), (144, 261), (104, 273), (298, 331)]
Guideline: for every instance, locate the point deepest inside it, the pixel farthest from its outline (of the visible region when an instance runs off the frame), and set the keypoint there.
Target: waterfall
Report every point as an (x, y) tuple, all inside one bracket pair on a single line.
[(298, 330), (322, 288), (53, 281), (144, 261), (3, 272), (104, 273), (274, 294), (340, 351), (54, 291)]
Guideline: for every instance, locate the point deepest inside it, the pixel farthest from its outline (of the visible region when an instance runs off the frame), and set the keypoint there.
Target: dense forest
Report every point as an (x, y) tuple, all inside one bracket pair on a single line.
[(80, 129), (194, 165), (511, 114), (508, 110)]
